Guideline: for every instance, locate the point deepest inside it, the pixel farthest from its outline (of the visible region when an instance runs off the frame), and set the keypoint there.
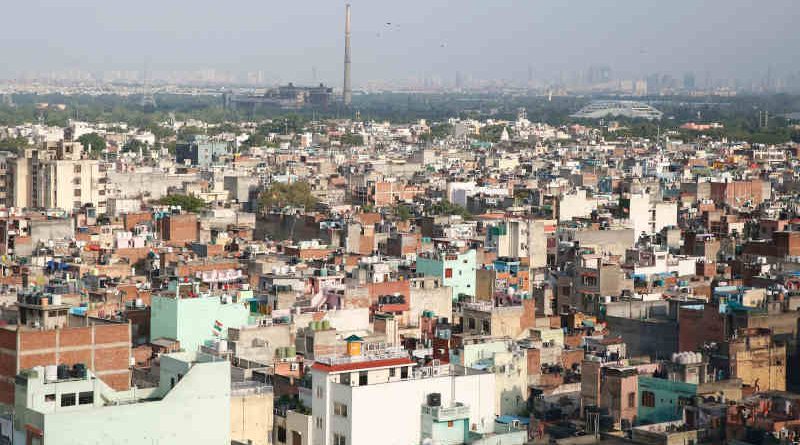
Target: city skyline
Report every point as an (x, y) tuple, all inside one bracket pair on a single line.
[(511, 41)]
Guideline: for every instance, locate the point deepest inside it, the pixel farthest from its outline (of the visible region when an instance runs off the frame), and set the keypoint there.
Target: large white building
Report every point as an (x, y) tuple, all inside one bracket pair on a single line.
[(190, 405), (650, 217), (618, 108), (377, 397)]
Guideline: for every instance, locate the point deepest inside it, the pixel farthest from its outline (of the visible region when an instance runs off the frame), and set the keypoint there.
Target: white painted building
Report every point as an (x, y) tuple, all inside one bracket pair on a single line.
[(575, 205), (376, 397)]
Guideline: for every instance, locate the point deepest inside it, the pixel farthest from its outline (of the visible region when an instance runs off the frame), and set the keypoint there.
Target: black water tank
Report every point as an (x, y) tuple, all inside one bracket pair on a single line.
[(79, 370), (434, 399), (62, 372)]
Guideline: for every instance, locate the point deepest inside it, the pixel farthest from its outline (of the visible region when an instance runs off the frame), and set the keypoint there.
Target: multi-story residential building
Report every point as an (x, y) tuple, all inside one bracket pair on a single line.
[(191, 404), (59, 177), (457, 269), (521, 238), (200, 150), (368, 393), (185, 314), (505, 360), (44, 337)]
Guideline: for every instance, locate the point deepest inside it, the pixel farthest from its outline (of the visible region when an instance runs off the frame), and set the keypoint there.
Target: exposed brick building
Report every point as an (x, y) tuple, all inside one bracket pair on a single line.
[(179, 228), (105, 349)]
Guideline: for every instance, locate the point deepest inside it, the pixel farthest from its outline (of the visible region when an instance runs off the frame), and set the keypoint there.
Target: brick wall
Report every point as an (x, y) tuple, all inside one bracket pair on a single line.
[(696, 327), (105, 349), (130, 220)]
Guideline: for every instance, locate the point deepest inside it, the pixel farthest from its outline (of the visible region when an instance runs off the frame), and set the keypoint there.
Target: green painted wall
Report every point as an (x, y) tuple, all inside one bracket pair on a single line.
[(191, 320), (667, 395), (463, 280)]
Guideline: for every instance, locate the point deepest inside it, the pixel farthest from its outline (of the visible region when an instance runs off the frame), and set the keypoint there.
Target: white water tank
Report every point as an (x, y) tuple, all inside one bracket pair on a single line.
[(51, 373), (56, 299)]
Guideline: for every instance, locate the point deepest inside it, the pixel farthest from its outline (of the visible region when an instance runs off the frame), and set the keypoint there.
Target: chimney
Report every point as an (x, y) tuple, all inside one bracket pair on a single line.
[(347, 92)]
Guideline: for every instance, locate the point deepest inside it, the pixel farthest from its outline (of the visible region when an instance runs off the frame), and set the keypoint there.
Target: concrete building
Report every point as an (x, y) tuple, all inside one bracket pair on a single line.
[(191, 404), (251, 413), (456, 269), (58, 176), (194, 319), (575, 205), (757, 359), (521, 238), (349, 395), (483, 318), (200, 150), (501, 357), (646, 216), (101, 346)]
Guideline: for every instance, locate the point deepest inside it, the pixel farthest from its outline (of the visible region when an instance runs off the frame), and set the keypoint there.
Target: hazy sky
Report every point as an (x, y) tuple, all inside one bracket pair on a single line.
[(483, 39)]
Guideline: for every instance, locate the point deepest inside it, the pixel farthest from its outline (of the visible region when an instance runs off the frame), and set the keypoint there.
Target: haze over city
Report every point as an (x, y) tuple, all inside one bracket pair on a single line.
[(392, 40), (440, 222)]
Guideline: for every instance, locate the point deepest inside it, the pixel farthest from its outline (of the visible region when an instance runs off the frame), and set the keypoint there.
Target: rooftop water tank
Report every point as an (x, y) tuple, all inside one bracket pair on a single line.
[(51, 373)]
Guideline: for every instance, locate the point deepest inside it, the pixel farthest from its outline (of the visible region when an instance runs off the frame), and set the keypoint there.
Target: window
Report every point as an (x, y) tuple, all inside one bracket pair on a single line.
[(392, 372), (448, 273), (77, 169), (471, 323), (648, 399), (362, 378), (319, 423), (281, 434), (487, 326), (404, 372), (339, 439), (49, 397), (68, 399), (86, 398), (319, 392), (449, 423), (340, 409), (344, 379), (631, 399)]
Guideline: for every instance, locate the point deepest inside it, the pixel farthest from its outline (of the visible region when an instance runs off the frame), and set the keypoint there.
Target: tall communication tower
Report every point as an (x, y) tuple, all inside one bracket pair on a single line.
[(347, 91)]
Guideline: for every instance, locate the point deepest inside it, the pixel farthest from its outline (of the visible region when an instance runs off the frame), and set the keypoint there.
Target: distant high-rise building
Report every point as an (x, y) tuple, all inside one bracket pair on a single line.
[(689, 81), (347, 91)]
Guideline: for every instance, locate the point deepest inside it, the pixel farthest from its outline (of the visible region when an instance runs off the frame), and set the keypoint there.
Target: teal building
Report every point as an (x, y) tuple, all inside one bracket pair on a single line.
[(662, 400), (195, 319), (457, 270)]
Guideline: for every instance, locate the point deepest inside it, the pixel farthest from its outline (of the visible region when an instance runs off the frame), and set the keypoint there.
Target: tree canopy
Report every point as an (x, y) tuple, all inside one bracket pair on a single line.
[(189, 203), (93, 143), (279, 195), (448, 208), (352, 140)]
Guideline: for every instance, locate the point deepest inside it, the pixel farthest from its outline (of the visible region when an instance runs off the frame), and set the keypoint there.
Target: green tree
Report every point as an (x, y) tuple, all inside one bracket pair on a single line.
[(403, 213), (134, 145), (491, 133), (190, 203), (352, 140), (448, 208), (279, 195), (93, 143), (189, 130), (14, 145)]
